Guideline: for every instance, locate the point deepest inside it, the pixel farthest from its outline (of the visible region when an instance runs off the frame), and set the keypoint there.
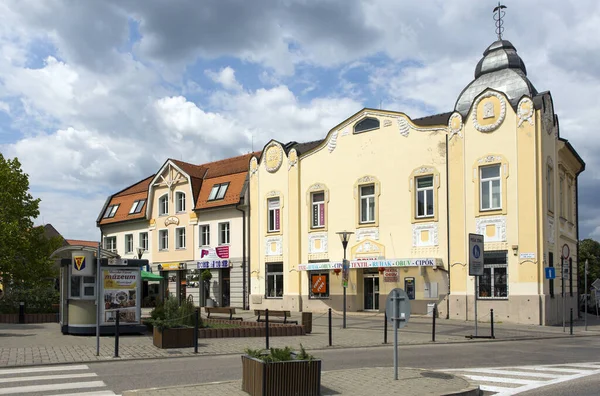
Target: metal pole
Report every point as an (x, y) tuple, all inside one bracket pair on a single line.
[(117, 334), (21, 312), (395, 319), (345, 287), (492, 323), (98, 301), (433, 327), (267, 326), (385, 327), (562, 282), (475, 302), (330, 333), (571, 323), (196, 331), (586, 294)]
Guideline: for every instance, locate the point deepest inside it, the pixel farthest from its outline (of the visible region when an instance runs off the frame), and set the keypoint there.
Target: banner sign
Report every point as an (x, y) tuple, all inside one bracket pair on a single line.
[(214, 257), (345, 272), (120, 290), (420, 262), (391, 275), (213, 264)]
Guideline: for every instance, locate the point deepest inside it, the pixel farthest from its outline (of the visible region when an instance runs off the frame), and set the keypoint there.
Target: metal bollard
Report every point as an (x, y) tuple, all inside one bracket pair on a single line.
[(21, 312), (330, 332), (267, 326), (433, 327), (492, 323), (117, 334), (196, 331), (571, 323), (385, 327)]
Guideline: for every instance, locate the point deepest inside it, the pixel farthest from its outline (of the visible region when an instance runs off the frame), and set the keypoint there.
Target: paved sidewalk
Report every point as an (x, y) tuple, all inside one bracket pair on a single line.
[(33, 344), (365, 381)]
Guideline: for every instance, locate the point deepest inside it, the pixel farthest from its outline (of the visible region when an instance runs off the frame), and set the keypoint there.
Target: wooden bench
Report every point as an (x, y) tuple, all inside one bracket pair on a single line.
[(277, 314), (221, 310)]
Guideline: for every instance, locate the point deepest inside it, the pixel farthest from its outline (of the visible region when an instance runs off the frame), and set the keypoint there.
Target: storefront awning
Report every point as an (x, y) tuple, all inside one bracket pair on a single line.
[(387, 263), (149, 276)]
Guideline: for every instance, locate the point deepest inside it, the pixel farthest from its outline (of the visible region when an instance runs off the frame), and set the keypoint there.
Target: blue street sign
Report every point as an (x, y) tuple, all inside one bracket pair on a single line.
[(550, 272)]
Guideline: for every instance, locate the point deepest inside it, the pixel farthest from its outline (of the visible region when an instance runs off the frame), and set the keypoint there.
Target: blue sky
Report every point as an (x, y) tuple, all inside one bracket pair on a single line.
[(94, 96)]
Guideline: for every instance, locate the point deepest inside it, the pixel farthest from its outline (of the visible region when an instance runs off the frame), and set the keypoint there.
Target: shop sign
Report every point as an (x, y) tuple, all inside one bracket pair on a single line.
[(210, 253), (319, 284), (394, 263), (213, 264), (172, 267), (391, 275), (119, 288)]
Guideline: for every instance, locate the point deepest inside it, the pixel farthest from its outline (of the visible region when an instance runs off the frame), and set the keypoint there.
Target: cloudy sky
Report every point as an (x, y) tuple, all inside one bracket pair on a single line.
[(95, 95)]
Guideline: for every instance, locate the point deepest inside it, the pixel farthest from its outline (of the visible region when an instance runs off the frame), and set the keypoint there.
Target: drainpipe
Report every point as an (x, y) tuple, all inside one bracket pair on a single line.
[(244, 266), (448, 229), (577, 237)]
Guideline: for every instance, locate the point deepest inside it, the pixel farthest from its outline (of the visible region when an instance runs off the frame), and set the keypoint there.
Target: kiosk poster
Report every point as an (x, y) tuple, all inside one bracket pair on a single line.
[(119, 287)]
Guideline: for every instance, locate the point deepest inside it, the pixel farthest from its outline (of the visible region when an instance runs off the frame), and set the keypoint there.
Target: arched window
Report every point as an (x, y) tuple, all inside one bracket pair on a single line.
[(368, 124)]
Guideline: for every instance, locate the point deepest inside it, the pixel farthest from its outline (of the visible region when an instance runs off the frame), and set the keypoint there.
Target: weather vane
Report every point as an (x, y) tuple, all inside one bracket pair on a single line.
[(498, 15)]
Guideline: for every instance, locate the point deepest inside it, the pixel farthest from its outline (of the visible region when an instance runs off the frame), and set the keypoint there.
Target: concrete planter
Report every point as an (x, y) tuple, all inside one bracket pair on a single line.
[(294, 377)]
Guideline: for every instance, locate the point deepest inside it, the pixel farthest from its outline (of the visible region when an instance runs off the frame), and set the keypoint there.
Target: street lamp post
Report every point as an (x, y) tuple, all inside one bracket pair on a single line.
[(344, 237)]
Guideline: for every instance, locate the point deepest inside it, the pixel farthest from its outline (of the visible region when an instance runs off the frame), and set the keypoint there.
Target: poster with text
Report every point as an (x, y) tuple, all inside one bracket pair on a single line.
[(119, 288)]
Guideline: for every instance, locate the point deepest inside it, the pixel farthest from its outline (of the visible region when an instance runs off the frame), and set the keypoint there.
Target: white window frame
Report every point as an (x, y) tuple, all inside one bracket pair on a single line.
[(204, 234), (569, 200), (128, 243), (489, 181), (161, 244), (111, 211), (82, 286), (272, 225), (144, 241), (180, 203), (107, 240), (178, 238), (550, 188), (561, 195), (163, 205), (224, 233), (367, 199), (137, 206), (273, 274), (492, 268), (218, 191), (318, 206), (425, 200)]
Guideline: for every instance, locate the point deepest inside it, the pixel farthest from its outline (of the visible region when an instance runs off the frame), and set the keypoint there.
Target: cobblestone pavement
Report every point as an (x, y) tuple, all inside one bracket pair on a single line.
[(33, 344), (364, 381)]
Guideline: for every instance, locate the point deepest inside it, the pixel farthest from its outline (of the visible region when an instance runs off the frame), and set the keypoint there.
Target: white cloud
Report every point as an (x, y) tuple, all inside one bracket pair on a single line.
[(5, 107), (225, 77)]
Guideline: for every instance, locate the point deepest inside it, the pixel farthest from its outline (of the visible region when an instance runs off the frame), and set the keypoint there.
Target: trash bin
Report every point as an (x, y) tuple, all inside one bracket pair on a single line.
[(430, 308), (307, 322)]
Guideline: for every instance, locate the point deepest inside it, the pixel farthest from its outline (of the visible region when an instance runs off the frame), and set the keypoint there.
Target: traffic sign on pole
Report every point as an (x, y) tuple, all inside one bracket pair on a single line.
[(397, 309), (550, 272), (475, 254)]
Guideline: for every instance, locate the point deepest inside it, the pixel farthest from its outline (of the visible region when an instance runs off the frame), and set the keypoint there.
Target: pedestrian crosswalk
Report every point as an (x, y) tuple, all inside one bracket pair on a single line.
[(64, 380), (508, 381)]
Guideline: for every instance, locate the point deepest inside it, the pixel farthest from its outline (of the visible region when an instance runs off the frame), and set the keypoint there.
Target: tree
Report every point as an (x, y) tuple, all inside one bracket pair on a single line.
[(589, 249), (24, 250)]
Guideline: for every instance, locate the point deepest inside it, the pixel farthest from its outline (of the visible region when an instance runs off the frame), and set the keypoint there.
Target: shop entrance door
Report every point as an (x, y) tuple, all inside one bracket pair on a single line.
[(225, 288), (371, 283)]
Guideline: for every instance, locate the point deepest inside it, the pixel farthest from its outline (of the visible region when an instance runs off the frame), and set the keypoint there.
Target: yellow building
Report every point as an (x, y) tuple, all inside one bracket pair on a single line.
[(411, 191)]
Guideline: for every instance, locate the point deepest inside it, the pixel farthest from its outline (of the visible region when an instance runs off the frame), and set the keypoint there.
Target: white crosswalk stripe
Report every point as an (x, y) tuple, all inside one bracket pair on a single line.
[(61, 380), (508, 381)]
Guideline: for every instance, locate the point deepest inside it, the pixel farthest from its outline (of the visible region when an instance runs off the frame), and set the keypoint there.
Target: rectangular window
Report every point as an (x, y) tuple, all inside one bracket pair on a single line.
[(89, 286), (137, 206), (129, 243), (76, 282), (274, 214), (83, 287), (144, 241), (550, 188), (570, 201), (274, 280), (223, 233), (561, 195), (319, 284), (425, 196), (180, 238), (218, 191), (163, 205), (490, 188), (163, 239), (110, 243), (318, 210), (180, 202), (367, 203), (430, 290), (551, 264), (494, 281), (111, 211), (205, 235)]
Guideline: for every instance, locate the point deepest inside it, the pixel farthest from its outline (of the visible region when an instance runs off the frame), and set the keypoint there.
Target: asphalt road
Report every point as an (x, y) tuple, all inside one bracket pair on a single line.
[(128, 375)]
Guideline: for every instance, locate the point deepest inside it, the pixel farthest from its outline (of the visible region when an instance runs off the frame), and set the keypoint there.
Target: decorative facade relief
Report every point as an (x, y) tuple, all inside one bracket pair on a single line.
[(525, 111), (551, 229), (489, 111), (370, 233), (345, 131), (489, 158), (455, 125), (273, 193), (253, 166), (425, 234), (492, 228), (332, 141), (368, 248), (292, 158), (273, 246), (273, 157), (387, 123), (403, 126), (424, 169), (317, 243)]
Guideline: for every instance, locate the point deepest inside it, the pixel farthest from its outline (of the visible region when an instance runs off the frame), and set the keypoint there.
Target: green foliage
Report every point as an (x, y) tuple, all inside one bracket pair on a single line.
[(278, 354), (206, 275), (171, 314), (589, 249), (39, 300)]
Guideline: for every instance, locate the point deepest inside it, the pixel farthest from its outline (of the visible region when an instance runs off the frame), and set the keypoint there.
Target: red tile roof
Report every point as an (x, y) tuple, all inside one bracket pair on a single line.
[(79, 242)]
